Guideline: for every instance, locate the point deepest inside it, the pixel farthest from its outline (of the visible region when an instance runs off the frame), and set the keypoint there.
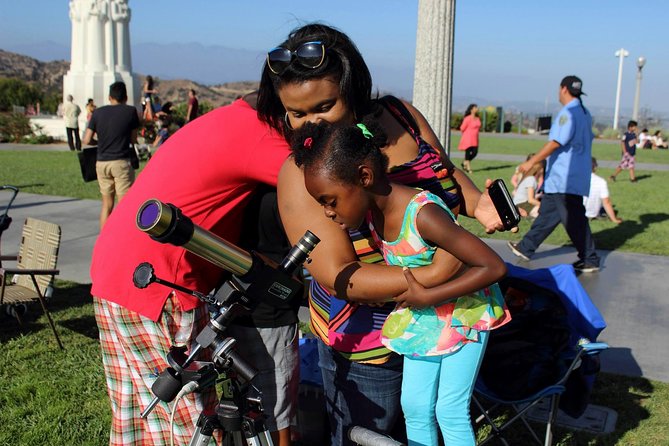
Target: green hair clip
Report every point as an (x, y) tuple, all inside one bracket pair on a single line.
[(365, 131)]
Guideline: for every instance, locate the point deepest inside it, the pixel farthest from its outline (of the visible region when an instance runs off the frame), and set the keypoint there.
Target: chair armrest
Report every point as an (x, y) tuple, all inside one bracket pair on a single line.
[(23, 271), (15, 258), (592, 348)]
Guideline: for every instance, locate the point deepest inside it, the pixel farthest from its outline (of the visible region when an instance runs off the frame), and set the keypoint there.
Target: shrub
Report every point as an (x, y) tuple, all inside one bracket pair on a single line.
[(39, 138), (610, 133), (17, 92), (14, 126), (456, 120)]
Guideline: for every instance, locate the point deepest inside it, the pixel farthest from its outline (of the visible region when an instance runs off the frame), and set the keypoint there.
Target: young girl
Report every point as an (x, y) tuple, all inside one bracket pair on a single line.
[(442, 331)]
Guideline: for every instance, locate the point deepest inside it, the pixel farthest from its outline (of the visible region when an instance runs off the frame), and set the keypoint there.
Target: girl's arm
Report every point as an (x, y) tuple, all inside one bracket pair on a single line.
[(531, 198), (334, 263), (484, 266)]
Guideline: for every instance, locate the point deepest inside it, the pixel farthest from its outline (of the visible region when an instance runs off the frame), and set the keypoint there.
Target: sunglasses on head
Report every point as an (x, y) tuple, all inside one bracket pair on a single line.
[(309, 54)]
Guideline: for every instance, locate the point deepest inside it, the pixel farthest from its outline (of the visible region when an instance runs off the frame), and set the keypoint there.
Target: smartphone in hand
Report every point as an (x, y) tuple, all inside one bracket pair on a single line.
[(501, 198)]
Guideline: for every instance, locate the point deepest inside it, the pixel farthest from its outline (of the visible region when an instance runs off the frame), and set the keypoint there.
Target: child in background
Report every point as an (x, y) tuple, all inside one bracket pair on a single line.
[(628, 145), (442, 331)]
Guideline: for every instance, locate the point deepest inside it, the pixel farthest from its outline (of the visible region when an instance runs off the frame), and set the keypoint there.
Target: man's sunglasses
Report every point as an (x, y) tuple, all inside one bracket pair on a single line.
[(309, 54)]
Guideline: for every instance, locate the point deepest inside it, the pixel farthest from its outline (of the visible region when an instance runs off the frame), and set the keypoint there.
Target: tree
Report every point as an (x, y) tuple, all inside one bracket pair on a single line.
[(17, 92)]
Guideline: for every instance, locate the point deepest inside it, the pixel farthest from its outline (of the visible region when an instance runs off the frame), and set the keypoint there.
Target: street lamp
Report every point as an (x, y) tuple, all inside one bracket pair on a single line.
[(621, 54), (640, 62)]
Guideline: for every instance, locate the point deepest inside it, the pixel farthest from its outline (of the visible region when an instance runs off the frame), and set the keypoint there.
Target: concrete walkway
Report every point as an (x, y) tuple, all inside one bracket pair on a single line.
[(628, 290)]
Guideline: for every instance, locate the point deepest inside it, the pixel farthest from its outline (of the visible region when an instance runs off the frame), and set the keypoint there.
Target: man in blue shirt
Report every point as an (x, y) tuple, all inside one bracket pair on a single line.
[(567, 180)]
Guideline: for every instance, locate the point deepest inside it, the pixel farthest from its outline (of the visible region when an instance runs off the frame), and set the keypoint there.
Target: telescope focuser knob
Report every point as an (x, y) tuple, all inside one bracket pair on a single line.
[(143, 275)]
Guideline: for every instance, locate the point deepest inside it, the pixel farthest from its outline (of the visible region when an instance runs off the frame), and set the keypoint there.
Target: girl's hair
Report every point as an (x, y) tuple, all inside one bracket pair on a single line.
[(343, 63), (338, 150), (149, 82), (539, 167), (469, 109)]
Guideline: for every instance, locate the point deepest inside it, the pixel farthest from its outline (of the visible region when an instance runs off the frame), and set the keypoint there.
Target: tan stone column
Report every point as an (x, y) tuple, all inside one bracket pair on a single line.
[(433, 73)]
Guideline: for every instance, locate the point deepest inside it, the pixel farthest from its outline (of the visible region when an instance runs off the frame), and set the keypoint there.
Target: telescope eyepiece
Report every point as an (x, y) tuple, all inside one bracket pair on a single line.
[(299, 253)]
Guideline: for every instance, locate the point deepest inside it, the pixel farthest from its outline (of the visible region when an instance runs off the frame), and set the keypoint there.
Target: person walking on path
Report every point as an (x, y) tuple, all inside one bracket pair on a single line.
[(71, 112), (469, 141), (628, 147), (116, 126), (567, 180)]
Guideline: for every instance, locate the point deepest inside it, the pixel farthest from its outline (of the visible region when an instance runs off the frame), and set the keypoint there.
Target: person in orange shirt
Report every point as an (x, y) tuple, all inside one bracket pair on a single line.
[(469, 142)]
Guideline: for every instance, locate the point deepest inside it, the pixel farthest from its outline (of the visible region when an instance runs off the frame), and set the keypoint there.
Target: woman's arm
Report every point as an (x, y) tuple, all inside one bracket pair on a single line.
[(473, 203), (484, 266), (334, 263)]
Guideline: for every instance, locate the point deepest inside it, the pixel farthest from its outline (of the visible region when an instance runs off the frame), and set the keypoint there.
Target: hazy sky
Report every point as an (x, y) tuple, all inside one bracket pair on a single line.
[(505, 50)]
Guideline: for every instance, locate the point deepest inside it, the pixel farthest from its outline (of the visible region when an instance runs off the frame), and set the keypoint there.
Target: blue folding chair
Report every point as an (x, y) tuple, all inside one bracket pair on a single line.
[(570, 324)]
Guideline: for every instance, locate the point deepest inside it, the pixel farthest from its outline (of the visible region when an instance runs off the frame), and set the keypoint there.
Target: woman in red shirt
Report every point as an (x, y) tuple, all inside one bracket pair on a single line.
[(469, 142)]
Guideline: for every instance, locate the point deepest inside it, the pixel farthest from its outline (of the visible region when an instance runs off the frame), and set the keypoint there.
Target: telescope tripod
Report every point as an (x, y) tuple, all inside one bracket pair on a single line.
[(239, 415), (254, 279)]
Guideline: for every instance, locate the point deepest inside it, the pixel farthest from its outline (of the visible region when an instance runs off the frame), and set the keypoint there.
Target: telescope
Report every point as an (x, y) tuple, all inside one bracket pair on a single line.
[(255, 279), (260, 277)]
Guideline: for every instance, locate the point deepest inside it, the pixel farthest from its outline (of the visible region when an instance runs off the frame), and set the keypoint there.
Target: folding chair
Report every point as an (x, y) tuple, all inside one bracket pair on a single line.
[(575, 322), (35, 270), (5, 219)]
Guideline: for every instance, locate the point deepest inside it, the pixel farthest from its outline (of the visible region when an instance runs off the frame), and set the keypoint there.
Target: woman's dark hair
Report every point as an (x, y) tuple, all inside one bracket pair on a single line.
[(343, 63), (469, 109), (339, 149), (149, 82)]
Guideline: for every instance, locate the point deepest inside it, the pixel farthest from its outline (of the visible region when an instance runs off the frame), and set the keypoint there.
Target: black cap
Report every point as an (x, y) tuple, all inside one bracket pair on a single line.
[(574, 85)]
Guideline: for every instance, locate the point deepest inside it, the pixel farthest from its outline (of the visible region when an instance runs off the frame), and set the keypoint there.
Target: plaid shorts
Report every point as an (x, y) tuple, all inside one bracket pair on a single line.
[(134, 350), (627, 162)]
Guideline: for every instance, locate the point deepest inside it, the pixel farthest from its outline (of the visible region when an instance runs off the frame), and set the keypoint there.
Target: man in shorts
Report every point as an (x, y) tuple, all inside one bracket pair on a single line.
[(116, 126), (628, 147), (229, 192)]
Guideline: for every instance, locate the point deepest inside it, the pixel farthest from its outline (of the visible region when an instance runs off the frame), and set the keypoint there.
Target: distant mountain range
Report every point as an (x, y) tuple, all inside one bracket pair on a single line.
[(49, 76), (221, 73)]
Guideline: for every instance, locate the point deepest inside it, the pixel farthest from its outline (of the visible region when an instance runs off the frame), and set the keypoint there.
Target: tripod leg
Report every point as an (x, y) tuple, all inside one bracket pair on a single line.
[(203, 430)]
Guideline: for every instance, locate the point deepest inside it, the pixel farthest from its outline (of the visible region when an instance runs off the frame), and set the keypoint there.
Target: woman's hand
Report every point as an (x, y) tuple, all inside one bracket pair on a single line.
[(487, 215), (415, 295)]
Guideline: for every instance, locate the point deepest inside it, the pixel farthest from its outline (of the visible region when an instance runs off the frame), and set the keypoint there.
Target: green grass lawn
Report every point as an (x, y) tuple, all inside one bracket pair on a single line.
[(53, 397)]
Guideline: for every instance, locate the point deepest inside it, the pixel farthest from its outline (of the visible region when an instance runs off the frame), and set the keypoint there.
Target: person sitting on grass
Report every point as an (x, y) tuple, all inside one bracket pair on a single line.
[(598, 197), (526, 196)]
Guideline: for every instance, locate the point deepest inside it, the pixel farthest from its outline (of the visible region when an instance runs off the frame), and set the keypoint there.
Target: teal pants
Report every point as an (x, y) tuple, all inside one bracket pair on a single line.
[(438, 390)]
